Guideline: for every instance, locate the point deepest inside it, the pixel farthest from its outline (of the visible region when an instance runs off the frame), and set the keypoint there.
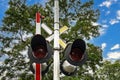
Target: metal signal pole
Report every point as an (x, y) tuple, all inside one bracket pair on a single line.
[(56, 70), (38, 75)]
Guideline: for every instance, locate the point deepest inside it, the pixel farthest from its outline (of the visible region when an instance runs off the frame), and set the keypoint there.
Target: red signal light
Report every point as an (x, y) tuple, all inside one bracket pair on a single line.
[(76, 54), (40, 52)]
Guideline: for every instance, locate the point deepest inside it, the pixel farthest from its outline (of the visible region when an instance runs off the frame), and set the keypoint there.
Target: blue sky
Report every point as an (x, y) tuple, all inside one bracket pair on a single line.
[(109, 39)]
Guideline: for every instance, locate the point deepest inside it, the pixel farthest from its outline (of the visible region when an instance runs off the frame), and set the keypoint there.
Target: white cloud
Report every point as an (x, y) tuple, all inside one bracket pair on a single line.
[(103, 46), (118, 14), (113, 21), (106, 3), (95, 24), (117, 46), (113, 55), (103, 29), (105, 26), (108, 12), (104, 21)]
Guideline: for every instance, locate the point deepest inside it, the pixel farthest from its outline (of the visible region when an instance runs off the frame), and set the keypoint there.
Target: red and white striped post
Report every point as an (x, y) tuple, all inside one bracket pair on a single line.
[(38, 75), (38, 23)]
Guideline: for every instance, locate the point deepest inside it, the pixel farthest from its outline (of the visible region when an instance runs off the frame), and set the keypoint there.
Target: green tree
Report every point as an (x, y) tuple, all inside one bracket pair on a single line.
[(19, 25), (18, 22), (110, 70)]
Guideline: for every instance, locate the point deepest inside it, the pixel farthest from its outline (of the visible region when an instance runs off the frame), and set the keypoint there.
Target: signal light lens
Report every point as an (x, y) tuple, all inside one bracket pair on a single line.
[(76, 54), (40, 52)]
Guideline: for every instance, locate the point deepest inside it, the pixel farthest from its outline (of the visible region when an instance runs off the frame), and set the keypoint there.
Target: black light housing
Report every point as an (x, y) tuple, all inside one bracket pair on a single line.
[(75, 53), (40, 51)]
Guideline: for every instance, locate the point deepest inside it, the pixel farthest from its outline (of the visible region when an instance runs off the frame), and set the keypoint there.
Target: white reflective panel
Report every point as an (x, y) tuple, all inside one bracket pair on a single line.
[(68, 67), (50, 38), (38, 29), (44, 66), (46, 28), (33, 64)]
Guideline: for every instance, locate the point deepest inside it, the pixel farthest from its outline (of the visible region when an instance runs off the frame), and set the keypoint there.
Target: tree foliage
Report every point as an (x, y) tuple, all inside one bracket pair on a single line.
[(110, 71), (19, 25)]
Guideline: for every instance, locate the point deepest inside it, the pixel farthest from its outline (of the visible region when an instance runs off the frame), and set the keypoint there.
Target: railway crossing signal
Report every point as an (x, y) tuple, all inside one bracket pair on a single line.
[(40, 51), (75, 55)]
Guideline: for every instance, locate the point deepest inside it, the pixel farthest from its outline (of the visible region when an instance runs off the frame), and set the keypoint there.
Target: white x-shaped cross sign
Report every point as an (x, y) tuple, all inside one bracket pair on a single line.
[(51, 37)]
